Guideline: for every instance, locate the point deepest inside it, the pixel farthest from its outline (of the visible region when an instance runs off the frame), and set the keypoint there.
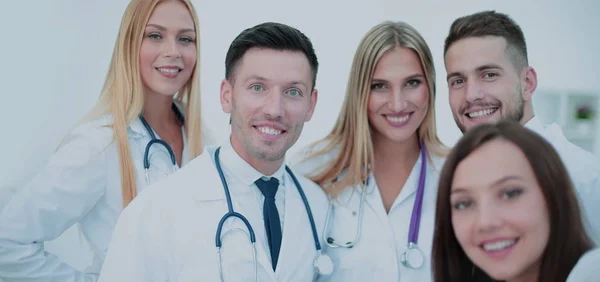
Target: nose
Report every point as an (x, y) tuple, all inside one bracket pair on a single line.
[(273, 105), (171, 49), (488, 218), (474, 91), (396, 102)]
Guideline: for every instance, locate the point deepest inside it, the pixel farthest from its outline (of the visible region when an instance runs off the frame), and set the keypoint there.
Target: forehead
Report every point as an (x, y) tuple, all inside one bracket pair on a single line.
[(470, 53), (398, 61), (490, 162), (275, 66), (171, 14)]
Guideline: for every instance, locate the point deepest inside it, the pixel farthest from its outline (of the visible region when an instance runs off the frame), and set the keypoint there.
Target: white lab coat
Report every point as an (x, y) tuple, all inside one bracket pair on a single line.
[(81, 184), (586, 269), (168, 232), (384, 237), (584, 169)]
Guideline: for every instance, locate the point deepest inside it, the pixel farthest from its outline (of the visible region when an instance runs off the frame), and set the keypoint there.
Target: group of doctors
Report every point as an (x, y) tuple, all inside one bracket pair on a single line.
[(158, 200)]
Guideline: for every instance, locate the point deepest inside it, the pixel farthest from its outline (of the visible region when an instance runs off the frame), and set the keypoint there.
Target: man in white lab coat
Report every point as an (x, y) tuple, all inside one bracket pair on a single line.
[(169, 233), (489, 79)]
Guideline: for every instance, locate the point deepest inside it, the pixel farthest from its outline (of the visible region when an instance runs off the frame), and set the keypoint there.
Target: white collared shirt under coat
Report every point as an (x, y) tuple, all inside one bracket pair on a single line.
[(80, 184), (168, 233), (384, 237), (584, 169)]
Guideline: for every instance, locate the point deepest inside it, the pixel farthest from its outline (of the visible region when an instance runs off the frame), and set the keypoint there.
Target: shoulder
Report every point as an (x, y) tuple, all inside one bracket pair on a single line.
[(306, 164), (97, 132), (313, 191), (586, 268)]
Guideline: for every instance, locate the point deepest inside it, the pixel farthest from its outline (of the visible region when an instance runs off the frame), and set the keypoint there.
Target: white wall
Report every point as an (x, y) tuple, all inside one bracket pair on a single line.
[(57, 55)]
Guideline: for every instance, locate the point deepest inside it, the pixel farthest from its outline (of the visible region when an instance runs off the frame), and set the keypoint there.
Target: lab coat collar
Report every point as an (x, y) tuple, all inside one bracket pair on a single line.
[(242, 170), (535, 125), (137, 130)]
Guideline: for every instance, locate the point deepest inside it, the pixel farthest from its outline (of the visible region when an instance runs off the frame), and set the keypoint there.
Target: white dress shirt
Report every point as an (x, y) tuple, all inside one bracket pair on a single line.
[(240, 178), (383, 236), (584, 169), (81, 184), (586, 269)]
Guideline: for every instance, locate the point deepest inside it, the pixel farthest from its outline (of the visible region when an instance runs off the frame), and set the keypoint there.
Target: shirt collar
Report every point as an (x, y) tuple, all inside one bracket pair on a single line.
[(242, 170), (535, 125)]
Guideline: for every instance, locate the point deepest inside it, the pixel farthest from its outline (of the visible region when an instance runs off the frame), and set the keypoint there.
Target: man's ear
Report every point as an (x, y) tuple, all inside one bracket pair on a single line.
[(529, 83), (226, 96), (313, 103)]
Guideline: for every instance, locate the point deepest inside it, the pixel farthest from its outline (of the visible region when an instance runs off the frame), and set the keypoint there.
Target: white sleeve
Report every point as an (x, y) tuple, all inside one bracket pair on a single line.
[(136, 250), (67, 188)]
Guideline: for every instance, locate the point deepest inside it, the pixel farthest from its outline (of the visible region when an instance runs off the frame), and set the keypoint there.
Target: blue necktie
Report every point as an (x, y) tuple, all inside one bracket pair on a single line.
[(271, 216)]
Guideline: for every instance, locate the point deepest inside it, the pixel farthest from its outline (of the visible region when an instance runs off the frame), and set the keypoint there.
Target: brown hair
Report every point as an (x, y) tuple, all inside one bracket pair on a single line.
[(568, 240), (491, 23)]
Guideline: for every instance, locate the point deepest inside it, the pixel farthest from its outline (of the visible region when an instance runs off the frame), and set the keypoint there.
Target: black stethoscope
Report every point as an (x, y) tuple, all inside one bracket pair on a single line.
[(322, 263), (154, 140)]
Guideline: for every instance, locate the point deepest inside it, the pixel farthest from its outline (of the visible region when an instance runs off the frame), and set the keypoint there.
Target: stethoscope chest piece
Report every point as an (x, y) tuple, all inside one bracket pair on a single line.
[(413, 257), (323, 264)]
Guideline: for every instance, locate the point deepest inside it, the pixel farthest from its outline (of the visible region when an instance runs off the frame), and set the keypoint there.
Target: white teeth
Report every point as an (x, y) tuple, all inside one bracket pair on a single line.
[(481, 113), (269, 131), (499, 245), (397, 119), (168, 70)]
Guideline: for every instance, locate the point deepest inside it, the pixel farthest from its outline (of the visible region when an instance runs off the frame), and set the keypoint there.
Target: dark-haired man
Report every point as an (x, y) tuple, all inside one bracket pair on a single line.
[(171, 232), (490, 79)]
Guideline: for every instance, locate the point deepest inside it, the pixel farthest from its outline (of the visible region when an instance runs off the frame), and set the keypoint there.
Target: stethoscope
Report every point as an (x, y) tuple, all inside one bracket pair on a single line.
[(154, 140), (413, 256), (322, 264)]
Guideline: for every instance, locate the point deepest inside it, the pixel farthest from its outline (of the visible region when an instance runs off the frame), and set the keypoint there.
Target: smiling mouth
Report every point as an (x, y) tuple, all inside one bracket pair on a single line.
[(269, 130), (481, 113), (499, 245), (169, 70)]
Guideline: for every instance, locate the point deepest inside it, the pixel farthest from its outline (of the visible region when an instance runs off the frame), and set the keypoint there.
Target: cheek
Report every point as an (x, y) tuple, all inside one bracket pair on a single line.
[(147, 55), (189, 57), (376, 102), (461, 223)]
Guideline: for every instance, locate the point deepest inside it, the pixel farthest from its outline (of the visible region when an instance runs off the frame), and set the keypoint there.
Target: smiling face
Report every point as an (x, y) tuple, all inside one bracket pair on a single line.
[(270, 98), (399, 96), (168, 51), (484, 84), (499, 213)]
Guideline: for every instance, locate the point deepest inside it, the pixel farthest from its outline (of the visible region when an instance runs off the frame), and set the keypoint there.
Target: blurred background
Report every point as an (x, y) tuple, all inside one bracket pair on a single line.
[(56, 55)]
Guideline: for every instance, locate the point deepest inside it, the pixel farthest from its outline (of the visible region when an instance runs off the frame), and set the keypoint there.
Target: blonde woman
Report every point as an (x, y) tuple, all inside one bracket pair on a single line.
[(136, 135), (380, 163)]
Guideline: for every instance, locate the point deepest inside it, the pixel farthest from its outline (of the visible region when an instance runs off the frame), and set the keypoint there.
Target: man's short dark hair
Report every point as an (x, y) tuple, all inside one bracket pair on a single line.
[(270, 35), (491, 23)]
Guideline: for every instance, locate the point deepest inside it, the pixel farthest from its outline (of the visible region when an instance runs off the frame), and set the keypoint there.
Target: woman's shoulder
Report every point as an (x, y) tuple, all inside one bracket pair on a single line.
[(586, 268), (97, 133), (308, 160)]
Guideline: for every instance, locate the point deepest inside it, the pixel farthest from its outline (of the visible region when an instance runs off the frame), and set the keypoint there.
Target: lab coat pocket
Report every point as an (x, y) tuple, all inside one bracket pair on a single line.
[(343, 230)]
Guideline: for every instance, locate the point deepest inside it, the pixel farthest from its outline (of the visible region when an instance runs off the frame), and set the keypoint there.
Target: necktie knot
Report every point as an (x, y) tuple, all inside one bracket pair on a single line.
[(268, 187)]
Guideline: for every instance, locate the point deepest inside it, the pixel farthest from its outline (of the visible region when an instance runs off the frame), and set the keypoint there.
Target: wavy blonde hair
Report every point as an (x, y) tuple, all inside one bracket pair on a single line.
[(352, 133), (123, 91)]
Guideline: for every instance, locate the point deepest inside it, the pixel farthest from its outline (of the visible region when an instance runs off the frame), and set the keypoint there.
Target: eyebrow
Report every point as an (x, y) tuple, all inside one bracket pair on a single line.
[(478, 69), (260, 78), (162, 28), (495, 183), (413, 76)]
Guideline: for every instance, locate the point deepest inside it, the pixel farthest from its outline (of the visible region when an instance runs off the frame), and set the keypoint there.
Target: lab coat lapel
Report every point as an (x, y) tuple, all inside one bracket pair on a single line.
[(296, 233), (206, 166)]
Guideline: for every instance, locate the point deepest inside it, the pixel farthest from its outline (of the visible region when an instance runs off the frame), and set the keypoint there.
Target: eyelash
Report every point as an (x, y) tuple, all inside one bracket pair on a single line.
[(154, 36), (507, 194), (288, 91), (416, 83)]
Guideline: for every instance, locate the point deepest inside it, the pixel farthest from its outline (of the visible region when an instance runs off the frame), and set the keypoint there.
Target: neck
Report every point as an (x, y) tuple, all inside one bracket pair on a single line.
[(266, 167), (527, 113), (158, 110), (390, 153)]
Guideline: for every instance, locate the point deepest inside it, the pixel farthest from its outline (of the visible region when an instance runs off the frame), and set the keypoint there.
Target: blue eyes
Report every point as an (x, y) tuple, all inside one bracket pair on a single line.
[(292, 92), (257, 88), (157, 36)]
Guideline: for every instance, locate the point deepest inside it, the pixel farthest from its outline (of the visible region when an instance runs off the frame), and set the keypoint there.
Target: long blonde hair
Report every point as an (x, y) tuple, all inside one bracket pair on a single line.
[(351, 134), (123, 91)]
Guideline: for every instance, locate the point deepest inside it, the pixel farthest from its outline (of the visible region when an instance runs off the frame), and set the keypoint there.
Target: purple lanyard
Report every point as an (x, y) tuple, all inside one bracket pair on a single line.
[(415, 219)]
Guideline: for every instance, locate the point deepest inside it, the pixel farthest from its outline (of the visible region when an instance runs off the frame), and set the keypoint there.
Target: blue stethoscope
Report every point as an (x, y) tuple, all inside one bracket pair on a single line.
[(412, 257), (154, 140), (322, 263)]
